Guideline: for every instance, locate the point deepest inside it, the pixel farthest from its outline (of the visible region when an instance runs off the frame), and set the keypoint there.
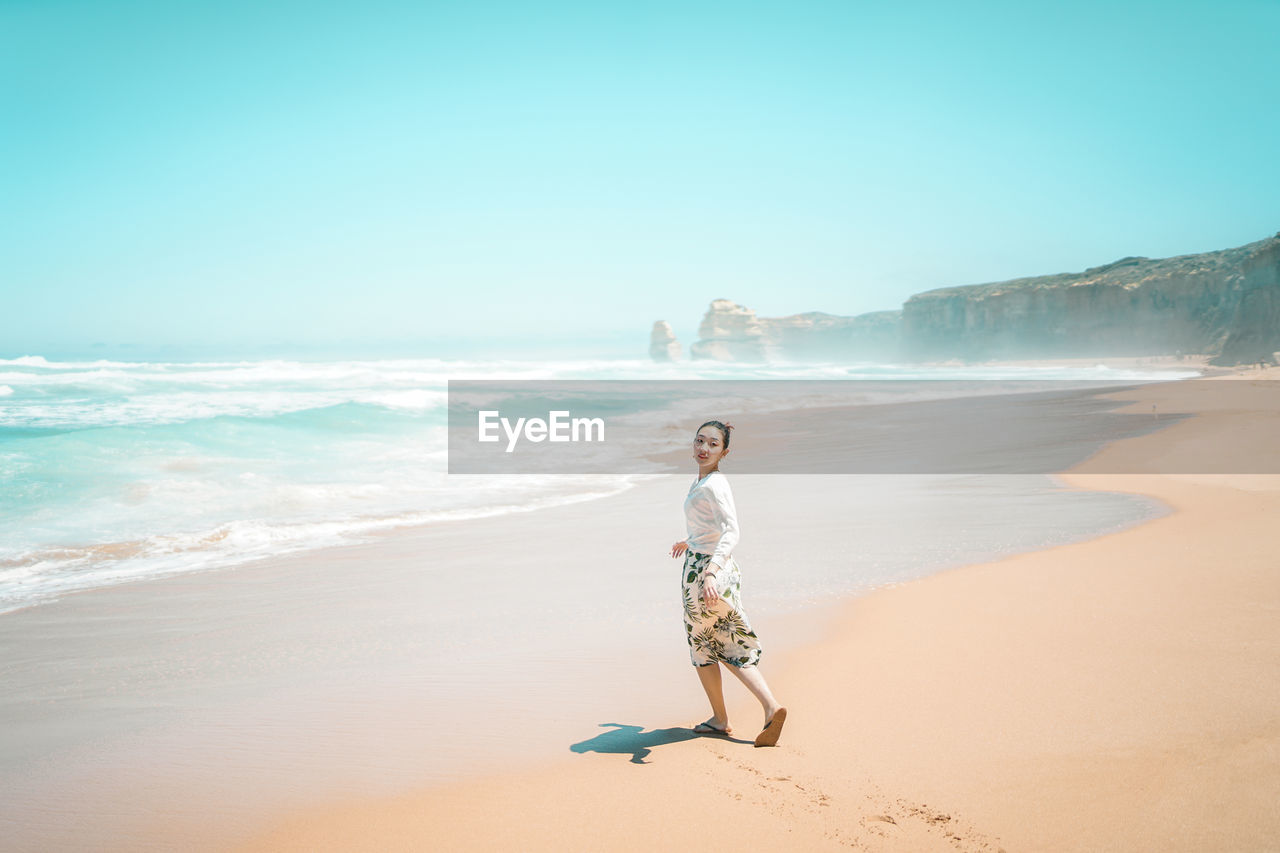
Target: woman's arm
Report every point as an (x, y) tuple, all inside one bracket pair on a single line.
[(727, 515)]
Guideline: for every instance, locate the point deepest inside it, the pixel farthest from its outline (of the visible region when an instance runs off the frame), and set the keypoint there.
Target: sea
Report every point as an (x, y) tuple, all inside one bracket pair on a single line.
[(116, 471)]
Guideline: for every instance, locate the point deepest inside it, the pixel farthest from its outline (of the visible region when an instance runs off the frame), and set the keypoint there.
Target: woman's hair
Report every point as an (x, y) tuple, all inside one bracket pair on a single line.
[(724, 430)]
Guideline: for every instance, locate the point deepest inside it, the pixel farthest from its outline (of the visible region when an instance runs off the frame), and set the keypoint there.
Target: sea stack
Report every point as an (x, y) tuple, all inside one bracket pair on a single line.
[(731, 332), (663, 345)]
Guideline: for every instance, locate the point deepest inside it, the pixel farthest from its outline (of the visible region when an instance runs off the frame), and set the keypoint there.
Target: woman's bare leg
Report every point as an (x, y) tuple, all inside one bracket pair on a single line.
[(751, 677), (710, 677)]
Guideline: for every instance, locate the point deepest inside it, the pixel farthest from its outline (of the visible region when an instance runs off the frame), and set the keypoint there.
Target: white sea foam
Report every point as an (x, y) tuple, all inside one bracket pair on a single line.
[(5, 390), (418, 399), (26, 361), (35, 576), (41, 361)]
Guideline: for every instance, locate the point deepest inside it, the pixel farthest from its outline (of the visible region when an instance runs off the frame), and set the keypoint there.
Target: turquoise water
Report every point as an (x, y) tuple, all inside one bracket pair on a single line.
[(113, 471)]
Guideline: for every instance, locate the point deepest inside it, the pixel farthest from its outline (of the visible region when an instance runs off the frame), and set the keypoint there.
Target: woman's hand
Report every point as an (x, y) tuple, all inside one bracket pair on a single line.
[(679, 548), (710, 595)]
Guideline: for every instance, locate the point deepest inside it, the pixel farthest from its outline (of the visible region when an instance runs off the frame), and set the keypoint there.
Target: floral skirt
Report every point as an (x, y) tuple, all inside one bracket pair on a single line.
[(720, 633)]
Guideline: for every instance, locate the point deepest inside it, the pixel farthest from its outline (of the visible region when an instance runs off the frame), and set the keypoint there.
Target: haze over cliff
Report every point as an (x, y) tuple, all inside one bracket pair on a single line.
[(732, 332), (1224, 303)]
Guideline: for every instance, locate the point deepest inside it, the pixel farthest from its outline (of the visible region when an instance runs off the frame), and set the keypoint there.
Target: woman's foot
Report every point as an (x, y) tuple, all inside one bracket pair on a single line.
[(772, 728), (713, 726)]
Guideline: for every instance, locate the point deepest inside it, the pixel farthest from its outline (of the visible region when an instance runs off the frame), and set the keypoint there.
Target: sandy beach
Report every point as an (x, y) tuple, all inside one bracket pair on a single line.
[(1114, 694)]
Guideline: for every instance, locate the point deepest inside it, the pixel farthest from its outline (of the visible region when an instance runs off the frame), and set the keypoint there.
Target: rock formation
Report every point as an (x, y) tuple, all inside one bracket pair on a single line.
[(1225, 303), (732, 332), (663, 345)]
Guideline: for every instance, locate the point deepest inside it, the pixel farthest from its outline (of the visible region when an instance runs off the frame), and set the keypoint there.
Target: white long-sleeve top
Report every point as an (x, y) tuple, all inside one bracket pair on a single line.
[(711, 518)]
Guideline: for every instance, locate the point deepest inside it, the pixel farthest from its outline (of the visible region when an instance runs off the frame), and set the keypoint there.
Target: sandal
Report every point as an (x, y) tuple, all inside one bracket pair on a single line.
[(769, 734)]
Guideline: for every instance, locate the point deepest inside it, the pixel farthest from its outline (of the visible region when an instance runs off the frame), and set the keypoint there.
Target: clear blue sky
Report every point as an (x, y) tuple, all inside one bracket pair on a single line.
[(243, 172)]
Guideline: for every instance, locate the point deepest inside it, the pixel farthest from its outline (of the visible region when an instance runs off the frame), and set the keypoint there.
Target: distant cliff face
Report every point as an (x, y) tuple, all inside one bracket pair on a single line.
[(1219, 302), (1226, 304), (1254, 331), (732, 332)]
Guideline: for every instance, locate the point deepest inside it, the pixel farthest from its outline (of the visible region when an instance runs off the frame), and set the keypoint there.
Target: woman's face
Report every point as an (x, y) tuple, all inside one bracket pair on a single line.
[(708, 446)]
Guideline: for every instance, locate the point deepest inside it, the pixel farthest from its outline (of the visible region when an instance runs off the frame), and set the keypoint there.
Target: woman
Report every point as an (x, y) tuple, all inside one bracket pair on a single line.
[(714, 622)]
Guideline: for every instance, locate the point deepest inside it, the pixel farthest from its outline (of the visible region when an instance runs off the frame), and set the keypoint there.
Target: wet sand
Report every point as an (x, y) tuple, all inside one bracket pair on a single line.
[(1114, 694)]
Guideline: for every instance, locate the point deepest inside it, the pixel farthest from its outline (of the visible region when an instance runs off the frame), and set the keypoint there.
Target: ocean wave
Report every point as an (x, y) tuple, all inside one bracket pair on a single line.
[(422, 375), (41, 362), (70, 395), (417, 399), (190, 407), (5, 390), (285, 370), (26, 361), (42, 574)]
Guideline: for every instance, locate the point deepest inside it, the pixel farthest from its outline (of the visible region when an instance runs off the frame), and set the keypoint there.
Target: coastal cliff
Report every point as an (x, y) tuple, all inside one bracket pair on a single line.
[(1254, 332), (1223, 303)]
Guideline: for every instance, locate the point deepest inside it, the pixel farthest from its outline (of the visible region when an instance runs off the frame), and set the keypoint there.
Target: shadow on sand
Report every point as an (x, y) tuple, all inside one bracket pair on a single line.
[(639, 743)]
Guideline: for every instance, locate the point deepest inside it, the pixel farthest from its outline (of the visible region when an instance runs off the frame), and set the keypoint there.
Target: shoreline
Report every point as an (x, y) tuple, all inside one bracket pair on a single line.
[(148, 553), (989, 725), (382, 767)]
